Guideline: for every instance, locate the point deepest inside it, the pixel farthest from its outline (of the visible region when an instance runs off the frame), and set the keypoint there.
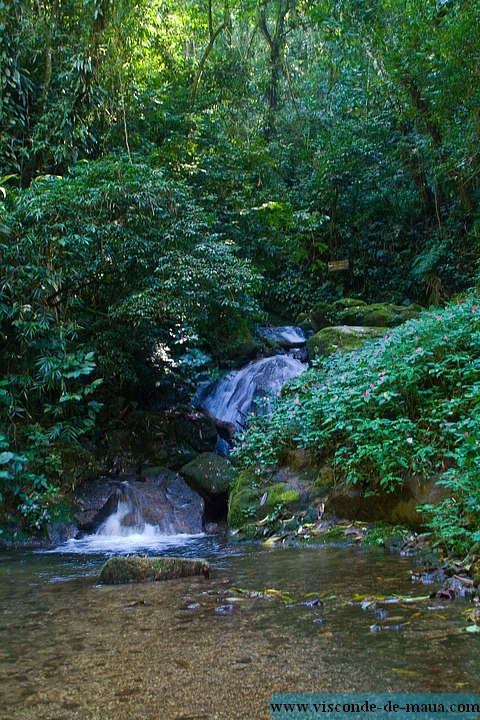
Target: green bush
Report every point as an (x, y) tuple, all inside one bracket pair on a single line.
[(405, 405)]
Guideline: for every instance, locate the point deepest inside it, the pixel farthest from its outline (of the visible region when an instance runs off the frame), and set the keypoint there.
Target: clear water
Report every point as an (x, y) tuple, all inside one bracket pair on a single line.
[(195, 649)]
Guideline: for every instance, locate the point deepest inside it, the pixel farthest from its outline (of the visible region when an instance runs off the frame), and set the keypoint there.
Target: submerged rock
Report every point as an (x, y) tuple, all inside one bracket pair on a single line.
[(140, 569)]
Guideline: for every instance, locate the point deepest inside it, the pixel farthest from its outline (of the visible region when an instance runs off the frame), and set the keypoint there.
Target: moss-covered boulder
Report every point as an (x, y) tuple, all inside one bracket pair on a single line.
[(209, 474), (250, 500), (348, 303), (140, 569), (377, 315), (343, 337), (240, 346), (325, 314)]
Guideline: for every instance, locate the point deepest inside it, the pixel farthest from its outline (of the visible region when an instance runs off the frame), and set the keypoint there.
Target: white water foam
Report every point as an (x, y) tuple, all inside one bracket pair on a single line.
[(136, 541)]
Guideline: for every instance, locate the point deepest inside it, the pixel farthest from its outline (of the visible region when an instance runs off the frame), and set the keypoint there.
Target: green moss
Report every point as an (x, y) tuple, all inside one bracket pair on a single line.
[(245, 500), (378, 315), (141, 569), (209, 474), (343, 338)]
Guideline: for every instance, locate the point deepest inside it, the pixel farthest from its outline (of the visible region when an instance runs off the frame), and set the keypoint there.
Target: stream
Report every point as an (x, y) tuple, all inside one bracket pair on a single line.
[(196, 648), (269, 619)]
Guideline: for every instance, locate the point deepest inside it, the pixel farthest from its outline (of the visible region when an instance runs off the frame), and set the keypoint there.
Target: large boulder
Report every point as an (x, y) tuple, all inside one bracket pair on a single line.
[(169, 439), (140, 569), (351, 311), (209, 474), (251, 499), (377, 315), (400, 507), (343, 337)]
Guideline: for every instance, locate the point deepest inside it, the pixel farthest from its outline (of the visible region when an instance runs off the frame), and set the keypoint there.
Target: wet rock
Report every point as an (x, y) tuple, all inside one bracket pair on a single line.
[(285, 336), (139, 569), (248, 501), (192, 428), (341, 337), (163, 500)]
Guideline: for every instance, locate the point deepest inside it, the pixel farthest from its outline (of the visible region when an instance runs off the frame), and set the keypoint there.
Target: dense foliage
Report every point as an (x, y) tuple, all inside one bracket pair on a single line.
[(403, 406), (157, 160), (109, 278)]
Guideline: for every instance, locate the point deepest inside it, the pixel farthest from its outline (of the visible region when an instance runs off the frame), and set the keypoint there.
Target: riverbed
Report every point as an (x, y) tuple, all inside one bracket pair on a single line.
[(269, 619)]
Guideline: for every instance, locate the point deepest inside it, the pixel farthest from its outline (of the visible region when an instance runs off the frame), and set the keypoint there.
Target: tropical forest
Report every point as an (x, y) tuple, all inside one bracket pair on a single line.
[(240, 355)]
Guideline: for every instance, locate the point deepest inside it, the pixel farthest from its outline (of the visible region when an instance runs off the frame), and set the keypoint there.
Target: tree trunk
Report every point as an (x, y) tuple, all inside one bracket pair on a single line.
[(454, 173)]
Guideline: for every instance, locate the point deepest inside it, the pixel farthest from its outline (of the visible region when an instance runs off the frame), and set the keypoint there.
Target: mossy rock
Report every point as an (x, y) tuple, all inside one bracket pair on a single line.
[(118, 570), (322, 315), (378, 315), (245, 498), (345, 303), (240, 346), (209, 474), (342, 337)]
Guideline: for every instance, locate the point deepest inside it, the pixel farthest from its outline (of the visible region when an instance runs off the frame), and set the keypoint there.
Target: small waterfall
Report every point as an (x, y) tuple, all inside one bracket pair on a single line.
[(159, 512), (232, 399), (130, 516), (286, 336)]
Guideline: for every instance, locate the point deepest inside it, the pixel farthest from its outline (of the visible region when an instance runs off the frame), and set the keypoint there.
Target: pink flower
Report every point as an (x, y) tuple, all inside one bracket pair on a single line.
[(234, 448), (466, 434), (315, 384), (296, 401), (427, 314), (372, 385), (474, 309), (419, 349), (439, 317), (350, 391), (366, 393)]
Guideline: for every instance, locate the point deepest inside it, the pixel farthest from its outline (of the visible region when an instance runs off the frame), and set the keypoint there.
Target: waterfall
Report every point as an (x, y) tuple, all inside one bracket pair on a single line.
[(232, 399), (286, 336), (159, 512), (130, 516)]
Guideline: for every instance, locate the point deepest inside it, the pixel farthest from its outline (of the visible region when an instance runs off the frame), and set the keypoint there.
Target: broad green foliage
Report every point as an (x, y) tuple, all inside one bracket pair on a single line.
[(110, 276), (406, 405)]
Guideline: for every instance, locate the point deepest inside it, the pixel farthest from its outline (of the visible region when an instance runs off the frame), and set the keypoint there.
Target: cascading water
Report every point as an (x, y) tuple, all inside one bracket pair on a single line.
[(153, 514), (232, 399), (286, 336)]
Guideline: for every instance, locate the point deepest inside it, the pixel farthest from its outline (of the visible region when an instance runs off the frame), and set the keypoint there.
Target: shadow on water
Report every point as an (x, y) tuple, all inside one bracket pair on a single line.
[(268, 620)]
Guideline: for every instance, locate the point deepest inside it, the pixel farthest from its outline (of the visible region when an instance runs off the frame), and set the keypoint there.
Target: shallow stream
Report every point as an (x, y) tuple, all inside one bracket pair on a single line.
[(195, 649)]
